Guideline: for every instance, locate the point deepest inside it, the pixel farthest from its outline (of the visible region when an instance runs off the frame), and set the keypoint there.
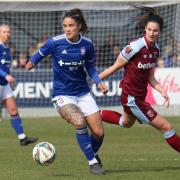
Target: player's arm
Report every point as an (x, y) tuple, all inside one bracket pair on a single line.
[(91, 70), (9, 78), (44, 51), (119, 63), (3, 73), (156, 85), (124, 57)]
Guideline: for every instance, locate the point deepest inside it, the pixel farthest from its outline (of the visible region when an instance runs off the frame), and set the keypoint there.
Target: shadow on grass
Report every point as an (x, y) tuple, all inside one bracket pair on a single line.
[(62, 175), (157, 169)]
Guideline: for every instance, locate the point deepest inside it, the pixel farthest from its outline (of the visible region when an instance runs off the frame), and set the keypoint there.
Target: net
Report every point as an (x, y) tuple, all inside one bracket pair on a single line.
[(111, 26)]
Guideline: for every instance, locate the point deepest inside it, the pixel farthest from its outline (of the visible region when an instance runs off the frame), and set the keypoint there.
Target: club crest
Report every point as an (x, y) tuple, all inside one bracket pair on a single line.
[(83, 51)]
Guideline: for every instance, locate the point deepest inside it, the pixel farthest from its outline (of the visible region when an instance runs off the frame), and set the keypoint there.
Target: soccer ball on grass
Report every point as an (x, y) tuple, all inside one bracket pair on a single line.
[(44, 153)]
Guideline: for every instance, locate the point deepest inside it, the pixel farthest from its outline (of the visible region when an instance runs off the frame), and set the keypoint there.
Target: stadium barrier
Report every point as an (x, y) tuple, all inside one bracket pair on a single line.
[(36, 93)]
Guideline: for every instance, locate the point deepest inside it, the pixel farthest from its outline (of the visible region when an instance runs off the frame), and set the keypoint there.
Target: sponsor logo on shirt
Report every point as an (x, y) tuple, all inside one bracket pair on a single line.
[(3, 61), (74, 63), (146, 65)]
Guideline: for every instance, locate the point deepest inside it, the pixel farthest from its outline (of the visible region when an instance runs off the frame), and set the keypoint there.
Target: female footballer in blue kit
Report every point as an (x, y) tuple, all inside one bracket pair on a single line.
[(71, 52), (6, 79)]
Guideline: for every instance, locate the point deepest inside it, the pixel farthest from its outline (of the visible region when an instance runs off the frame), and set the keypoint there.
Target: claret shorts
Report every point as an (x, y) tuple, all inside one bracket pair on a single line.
[(138, 107)]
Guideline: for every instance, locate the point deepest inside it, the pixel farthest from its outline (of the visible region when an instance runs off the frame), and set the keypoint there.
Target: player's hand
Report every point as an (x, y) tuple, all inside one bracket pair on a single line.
[(29, 65), (103, 88), (10, 79), (166, 99)]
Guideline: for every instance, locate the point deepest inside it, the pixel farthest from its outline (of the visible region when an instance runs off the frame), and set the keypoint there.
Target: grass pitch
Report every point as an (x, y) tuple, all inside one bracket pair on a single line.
[(138, 153)]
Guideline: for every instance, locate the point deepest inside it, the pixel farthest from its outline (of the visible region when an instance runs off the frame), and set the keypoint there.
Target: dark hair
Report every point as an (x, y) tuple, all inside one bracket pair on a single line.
[(77, 15), (150, 15)]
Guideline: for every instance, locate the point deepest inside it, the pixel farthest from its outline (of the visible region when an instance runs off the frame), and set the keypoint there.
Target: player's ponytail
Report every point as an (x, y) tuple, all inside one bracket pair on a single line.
[(77, 15), (149, 15)]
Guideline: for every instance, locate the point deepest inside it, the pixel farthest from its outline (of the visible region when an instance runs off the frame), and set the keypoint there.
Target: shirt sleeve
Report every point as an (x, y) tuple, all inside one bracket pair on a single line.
[(44, 51), (127, 53), (3, 73), (90, 54), (91, 69), (90, 65)]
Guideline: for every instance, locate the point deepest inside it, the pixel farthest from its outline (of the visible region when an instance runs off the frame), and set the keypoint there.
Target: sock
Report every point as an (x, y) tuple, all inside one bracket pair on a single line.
[(110, 116), (96, 143), (173, 139), (121, 121), (17, 125), (84, 143)]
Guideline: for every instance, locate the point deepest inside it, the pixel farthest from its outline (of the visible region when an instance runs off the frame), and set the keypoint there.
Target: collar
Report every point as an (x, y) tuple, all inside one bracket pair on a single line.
[(147, 44), (80, 37)]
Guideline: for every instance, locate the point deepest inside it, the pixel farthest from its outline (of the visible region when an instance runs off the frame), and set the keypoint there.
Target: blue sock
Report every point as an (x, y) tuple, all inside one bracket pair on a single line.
[(96, 143), (17, 124), (84, 142)]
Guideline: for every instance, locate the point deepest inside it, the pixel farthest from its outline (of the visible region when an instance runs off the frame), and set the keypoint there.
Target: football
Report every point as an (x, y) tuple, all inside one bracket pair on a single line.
[(44, 153)]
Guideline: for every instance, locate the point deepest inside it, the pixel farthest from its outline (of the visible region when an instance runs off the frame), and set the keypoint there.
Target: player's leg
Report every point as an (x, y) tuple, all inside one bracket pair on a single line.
[(165, 127), (127, 119), (16, 122), (110, 116), (68, 109), (114, 117), (97, 133), (72, 114), (146, 114), (90, 110)]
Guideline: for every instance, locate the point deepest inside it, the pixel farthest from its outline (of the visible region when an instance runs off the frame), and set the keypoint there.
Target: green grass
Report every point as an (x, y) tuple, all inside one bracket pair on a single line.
[(138, 153)]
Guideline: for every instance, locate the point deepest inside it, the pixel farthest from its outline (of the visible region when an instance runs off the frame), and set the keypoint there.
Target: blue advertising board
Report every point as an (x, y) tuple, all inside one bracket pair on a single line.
[(33, 89)]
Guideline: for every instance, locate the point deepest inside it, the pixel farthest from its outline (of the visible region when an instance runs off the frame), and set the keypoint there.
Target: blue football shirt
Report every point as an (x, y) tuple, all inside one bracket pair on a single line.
[(5, 63), (68, 61)]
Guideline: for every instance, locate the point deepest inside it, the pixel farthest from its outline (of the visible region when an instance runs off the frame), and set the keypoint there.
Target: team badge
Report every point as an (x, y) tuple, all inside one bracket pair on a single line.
[(145, 56), (155, 55), (83, 51), (60, 100), (150, 56), (150, 113), (128, 49)]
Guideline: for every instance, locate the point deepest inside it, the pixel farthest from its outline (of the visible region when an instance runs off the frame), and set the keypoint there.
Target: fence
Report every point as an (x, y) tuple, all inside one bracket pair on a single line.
[(111, 26)]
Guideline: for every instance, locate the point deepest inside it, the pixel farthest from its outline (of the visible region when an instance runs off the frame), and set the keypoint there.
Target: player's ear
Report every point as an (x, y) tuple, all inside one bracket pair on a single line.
[(79, 26)]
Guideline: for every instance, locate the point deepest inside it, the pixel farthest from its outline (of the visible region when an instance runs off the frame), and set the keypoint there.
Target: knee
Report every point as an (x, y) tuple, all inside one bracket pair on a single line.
[(13, 112), (99, 133), (79, 124), (166, 127), (128, 124)]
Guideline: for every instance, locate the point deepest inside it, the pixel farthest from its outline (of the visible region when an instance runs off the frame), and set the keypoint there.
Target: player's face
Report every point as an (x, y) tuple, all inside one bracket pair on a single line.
[(152, 30), (5, 34), (71, 29)]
